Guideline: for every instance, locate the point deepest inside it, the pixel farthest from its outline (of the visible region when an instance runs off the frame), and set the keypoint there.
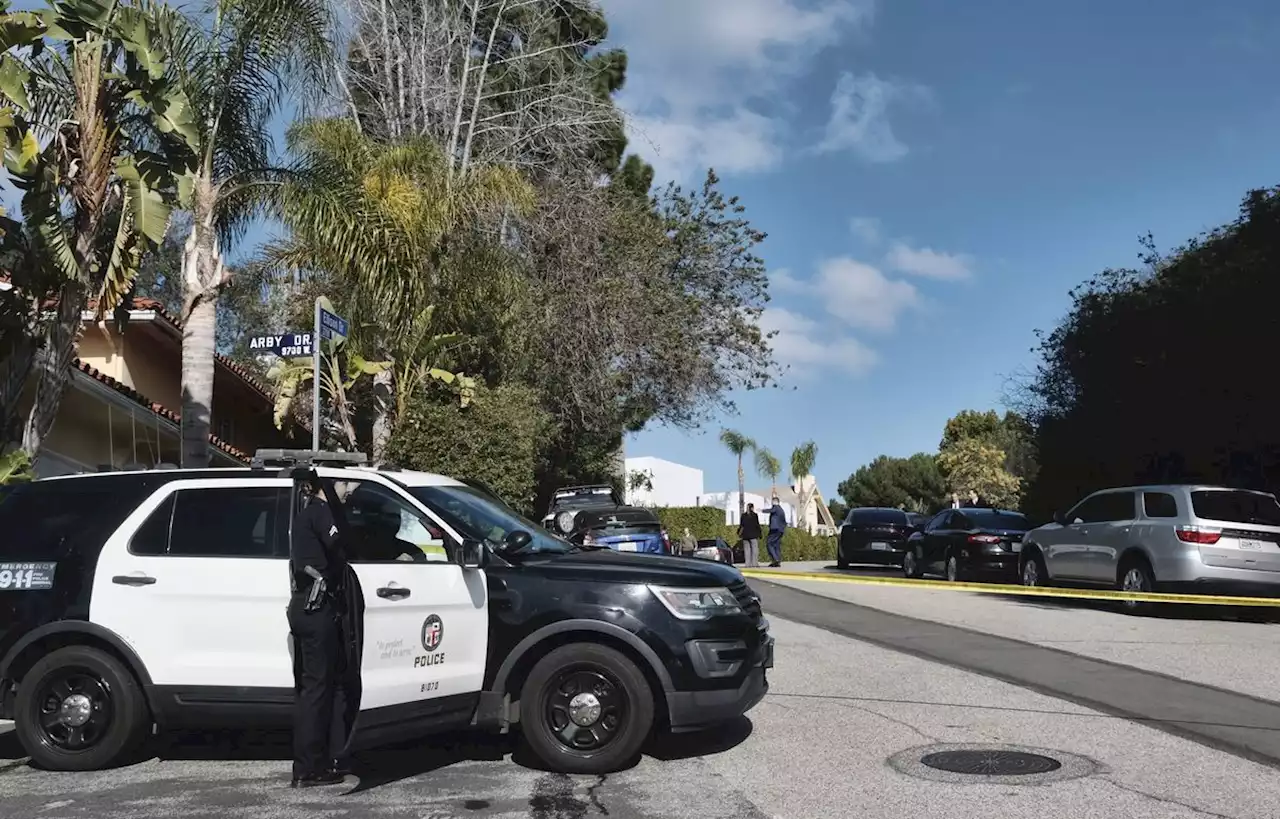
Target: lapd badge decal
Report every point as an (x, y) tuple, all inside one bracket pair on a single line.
[(432, 632), (432, 637)]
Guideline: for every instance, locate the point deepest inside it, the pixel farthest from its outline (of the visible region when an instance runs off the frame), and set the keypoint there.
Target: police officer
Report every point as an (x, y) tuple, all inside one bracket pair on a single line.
[(318, 568)]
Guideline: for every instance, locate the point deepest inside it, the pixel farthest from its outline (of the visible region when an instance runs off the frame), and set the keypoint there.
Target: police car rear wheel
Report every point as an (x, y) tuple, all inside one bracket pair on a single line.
[(80, 709), (586, 709)]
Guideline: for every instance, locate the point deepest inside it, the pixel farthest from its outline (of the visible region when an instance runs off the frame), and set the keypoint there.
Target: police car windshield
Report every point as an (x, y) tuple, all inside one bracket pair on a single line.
[(475, 514)]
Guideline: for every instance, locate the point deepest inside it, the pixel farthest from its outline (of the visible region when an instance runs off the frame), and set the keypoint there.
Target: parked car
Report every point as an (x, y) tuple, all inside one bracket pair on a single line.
[(622, 528), (1165, 537), (570, 499), (874, 535), (967, 543), (716, 549), (132, 601)]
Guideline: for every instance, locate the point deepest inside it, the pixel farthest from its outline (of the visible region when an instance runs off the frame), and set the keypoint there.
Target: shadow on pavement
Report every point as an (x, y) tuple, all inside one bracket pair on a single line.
[(374, 767), (671, 747), (383, 766), (1163, 611)]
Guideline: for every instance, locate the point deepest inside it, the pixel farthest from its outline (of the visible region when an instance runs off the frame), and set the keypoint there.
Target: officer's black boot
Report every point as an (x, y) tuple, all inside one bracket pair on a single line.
[(316, 780)]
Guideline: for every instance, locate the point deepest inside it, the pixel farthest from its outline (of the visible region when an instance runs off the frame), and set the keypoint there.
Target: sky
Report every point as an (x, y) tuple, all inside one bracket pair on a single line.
[(935, 177)]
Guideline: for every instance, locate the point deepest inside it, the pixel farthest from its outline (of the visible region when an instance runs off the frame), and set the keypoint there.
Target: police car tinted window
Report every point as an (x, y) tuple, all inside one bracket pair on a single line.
[(51, 520), (215, 522), (476, 515)]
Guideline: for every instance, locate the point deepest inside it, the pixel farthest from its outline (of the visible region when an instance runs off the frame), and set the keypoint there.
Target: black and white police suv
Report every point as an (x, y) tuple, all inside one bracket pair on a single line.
[(134, 601)]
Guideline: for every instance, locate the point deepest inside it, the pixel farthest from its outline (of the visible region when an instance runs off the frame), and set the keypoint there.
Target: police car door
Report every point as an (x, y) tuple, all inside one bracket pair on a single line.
[(425, 624)]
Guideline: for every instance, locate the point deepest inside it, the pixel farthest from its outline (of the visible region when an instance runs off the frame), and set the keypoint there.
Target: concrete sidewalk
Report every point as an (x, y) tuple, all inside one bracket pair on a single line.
[(1188, 642)]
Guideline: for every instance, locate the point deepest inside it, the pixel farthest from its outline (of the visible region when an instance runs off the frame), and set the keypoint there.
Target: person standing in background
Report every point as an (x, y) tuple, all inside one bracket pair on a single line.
[(749, 532), (688, 543), (777, 525)]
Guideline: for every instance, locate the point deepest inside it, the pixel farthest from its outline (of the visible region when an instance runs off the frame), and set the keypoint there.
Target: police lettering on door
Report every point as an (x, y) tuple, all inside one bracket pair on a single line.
[(432, 637)]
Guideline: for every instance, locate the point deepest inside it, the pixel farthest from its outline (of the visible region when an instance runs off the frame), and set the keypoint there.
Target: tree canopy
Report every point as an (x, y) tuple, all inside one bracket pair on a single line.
[(1109, 399), (913, 483)]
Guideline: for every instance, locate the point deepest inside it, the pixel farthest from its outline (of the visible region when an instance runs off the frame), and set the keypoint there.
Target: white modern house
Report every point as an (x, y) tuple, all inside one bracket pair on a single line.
[(657, 482), (728, 501), (815, 518)]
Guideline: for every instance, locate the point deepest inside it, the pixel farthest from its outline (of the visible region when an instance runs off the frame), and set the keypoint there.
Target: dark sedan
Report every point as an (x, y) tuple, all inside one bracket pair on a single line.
[(961, 544), (875, 535)]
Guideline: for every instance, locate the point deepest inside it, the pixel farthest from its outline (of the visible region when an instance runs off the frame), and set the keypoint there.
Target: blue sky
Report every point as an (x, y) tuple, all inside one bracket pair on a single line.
[(935, 177)]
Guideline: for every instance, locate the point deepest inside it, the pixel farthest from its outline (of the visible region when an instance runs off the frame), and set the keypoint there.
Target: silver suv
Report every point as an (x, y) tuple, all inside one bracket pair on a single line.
[(1147, 538)]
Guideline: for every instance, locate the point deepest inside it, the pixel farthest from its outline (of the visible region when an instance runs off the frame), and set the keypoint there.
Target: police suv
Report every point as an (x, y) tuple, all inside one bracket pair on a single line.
[(139, 601)]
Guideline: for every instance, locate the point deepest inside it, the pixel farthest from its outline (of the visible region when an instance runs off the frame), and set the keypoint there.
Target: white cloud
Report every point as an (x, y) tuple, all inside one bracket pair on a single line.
[(701, 71), (866, 228), (862, 296), (743, 142), (928, 263), (859, 119), (809, 349), (783, 281)]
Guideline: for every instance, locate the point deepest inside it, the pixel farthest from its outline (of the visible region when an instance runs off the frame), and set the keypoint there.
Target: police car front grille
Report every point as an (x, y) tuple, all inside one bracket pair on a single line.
[(748, 599)]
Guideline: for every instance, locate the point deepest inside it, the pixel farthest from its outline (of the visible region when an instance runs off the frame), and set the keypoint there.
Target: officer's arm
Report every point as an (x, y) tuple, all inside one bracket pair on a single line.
[(324, 526)]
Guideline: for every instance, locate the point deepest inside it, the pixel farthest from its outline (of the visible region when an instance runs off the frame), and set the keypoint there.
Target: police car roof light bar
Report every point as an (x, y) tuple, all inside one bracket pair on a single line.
[(307, 457)]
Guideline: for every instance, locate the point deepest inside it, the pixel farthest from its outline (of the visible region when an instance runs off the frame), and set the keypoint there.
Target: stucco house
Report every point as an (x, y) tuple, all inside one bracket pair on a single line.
[(122, 407)]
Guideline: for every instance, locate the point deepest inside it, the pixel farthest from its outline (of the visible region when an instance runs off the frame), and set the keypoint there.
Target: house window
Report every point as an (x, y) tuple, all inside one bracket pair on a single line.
[(226, 429)]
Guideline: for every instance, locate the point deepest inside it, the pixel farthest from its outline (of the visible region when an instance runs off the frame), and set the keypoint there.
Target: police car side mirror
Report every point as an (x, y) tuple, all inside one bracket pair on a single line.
[(471, 555), (516, 541)]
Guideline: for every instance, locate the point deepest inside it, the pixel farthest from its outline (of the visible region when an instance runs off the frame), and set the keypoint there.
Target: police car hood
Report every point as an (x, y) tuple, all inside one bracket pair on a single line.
[(627, 567)]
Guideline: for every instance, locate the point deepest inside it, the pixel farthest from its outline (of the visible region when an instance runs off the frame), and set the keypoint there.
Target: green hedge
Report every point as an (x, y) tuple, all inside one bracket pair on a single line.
[(708, 522), (702, 521)]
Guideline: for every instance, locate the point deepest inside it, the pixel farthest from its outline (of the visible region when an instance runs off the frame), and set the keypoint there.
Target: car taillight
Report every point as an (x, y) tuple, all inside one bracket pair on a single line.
[(1198, 534), (984, 538)]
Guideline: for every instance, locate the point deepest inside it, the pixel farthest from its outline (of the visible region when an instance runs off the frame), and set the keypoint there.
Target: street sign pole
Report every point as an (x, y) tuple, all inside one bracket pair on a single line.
[(315, 380)]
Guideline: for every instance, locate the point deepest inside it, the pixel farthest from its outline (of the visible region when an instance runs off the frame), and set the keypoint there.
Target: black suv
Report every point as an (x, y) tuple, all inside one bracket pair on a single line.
[(135, 599)]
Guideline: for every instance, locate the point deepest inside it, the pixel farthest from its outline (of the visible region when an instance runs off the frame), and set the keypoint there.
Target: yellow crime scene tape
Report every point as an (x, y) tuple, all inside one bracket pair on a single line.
[(1020, 591)]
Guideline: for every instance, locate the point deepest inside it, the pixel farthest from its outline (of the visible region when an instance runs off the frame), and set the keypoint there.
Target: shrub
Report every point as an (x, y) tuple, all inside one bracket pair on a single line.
[(702, 521), (497, 439)]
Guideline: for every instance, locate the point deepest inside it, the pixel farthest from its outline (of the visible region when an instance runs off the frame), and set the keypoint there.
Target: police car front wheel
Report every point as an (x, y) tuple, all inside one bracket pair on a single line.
[(80, 709), (586, 709)]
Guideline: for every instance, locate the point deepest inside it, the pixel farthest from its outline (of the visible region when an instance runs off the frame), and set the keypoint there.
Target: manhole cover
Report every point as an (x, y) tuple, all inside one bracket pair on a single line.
[(991, 763)]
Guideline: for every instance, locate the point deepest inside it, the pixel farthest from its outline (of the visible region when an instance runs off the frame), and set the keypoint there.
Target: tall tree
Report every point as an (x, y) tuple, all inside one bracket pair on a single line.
[(803, 458), (1010, 434), (739, 445), (972, 465), (236, 68), (915, 483), (768, 466), (374, 218), (1099, 400), (97, 123)]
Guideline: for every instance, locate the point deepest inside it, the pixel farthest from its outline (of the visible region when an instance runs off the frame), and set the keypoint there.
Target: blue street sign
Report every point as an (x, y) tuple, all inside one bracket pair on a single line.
[(332, 326), (285, 345)]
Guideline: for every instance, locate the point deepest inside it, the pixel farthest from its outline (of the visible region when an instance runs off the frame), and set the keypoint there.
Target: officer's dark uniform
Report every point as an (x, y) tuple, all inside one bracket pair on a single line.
[(319, 656)]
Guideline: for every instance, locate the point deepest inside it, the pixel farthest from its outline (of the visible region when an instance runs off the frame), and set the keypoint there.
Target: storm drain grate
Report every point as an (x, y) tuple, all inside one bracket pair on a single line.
[(991, 763)]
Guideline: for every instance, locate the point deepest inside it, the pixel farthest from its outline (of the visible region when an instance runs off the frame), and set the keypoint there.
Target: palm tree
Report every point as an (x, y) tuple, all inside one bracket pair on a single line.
[(236, 69), (374, 218), (802, 461), (92, 126), (738, 444), (768, 467)]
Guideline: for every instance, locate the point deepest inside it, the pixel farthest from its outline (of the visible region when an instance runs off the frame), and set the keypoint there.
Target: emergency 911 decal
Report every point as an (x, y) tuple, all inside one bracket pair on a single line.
[(26, 576)]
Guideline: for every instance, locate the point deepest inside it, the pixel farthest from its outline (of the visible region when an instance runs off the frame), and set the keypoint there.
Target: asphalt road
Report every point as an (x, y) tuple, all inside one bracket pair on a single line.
[(858, 696)]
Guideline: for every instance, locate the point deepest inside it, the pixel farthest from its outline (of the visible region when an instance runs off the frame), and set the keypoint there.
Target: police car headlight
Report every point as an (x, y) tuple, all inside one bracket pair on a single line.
[(565, 521), (696, 604)]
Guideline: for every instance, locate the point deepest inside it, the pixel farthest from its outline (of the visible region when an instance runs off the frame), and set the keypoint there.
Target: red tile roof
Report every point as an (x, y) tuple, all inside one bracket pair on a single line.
[(158, 409), (245, 375)]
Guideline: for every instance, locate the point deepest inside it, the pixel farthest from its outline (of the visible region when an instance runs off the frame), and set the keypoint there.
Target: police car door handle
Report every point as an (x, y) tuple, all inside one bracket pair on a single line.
[(133, 580), (393, 592)]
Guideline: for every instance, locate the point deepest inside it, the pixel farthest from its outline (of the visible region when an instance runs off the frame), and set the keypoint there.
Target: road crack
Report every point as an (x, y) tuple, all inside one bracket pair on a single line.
[(1164, 800), (903, 723)]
